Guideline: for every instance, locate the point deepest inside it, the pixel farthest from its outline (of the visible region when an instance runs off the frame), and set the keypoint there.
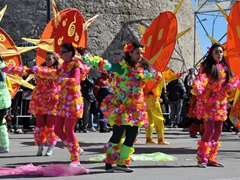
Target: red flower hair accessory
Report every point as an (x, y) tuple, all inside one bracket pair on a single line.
[(128, 48)]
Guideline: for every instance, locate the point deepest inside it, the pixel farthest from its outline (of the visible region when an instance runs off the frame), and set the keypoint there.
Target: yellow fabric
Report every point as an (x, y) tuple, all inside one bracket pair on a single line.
[(236, 96), (9, 85), (156, 118), (154, 109), (20, 81), (168, 76), (157, 89), (4, 121)]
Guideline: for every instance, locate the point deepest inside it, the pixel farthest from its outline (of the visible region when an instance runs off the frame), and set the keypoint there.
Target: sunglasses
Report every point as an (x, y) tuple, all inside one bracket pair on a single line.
[(62, 52)]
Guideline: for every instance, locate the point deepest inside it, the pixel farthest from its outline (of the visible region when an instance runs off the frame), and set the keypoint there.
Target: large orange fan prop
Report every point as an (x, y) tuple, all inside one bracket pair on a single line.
[(15, 60), (160, 39), (233, 38)]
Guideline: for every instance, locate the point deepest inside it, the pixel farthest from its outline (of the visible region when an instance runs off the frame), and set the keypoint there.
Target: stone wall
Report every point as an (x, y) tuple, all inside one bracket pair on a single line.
[(116, 25)]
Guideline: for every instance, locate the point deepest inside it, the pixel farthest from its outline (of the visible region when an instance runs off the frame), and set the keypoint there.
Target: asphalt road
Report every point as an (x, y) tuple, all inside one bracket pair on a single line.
[(23, 151)]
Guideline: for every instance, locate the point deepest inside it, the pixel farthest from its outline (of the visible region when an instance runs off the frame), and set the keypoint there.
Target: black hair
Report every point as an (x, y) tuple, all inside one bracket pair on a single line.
[(144, 63), (210, 68), (56, 63), (82, 50), (69, 47)]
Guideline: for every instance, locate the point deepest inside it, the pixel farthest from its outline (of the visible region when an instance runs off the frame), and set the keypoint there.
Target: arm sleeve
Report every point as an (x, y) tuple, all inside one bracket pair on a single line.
[(16, 70), (75, 73), (98, 62), (45, 73), (200, 83)]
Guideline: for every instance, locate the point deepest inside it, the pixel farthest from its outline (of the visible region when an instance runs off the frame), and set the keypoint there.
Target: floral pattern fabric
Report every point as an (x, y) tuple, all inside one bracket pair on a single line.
[(212, 95), (44, 98), (70, 102), (127, 105)]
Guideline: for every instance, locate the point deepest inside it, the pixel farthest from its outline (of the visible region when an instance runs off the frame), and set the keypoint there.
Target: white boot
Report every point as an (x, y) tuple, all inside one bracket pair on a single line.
[(40, 150), (49, 150)]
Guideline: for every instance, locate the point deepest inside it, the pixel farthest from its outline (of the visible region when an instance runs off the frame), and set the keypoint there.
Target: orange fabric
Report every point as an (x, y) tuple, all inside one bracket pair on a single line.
[(233, 39), (160, 39), (12, 60)]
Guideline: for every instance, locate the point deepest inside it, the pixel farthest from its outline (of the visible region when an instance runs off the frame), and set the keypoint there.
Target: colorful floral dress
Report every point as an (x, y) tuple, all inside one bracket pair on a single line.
[(212, 95), (127, 105), (70, 101), (5, 98), (44, 98)]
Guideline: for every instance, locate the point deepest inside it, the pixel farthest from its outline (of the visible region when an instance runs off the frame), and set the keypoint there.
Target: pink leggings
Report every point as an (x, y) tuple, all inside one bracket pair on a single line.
[(213, 130), (64, 128), (42, 120)]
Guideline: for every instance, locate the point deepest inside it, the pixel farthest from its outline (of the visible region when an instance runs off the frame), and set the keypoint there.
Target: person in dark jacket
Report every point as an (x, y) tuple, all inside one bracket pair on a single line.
[(176, 94), (88, 98), (101, 90)]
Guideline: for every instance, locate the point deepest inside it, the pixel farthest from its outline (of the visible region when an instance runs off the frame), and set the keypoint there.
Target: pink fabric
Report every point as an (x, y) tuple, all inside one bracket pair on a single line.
[(68, 124), (213, 130), (51, 170), (75, 73), (48, 120)]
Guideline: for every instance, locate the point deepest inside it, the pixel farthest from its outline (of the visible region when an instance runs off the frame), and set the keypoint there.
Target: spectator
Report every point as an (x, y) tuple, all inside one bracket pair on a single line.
[(188, 81), (101, 90), (88, 98), (176, 94)]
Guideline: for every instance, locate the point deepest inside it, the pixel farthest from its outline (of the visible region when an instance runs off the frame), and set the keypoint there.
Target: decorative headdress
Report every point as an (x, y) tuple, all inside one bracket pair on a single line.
[(128, 48)]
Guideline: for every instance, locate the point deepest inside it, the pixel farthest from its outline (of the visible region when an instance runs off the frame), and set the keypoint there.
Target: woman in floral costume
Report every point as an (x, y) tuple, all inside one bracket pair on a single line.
[(213, 84), (70, 102), (43, 105), (5, 103), (125, 109)]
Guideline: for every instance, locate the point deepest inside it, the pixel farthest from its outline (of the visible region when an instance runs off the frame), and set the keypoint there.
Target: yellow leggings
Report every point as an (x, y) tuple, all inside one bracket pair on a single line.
[(156, 118)]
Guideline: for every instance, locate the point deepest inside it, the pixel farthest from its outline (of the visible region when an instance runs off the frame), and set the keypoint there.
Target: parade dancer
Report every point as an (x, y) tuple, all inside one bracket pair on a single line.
[(212, 85), (43, 105), (125, 109)]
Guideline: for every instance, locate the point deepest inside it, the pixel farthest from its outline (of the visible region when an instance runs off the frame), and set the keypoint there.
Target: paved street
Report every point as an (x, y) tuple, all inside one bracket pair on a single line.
[(183, 147)]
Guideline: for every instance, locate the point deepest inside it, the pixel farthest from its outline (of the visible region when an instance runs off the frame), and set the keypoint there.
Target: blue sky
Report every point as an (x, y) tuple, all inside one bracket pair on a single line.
[(214, 24)]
